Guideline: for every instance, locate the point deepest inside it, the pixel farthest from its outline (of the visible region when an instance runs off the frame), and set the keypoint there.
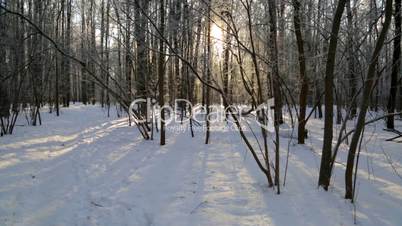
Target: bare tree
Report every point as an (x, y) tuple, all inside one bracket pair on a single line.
[(367, 89), (325, 169), (396, 65), (303, 76)]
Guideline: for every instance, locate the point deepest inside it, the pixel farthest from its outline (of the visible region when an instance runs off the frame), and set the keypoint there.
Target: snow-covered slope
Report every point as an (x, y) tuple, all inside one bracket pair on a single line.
[(86, 169)]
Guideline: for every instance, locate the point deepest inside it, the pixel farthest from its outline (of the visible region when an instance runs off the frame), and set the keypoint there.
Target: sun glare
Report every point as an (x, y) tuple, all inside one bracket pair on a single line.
[(217, 38)]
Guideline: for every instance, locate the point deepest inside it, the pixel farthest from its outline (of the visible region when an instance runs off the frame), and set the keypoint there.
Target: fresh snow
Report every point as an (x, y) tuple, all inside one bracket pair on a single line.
[(84, 169)]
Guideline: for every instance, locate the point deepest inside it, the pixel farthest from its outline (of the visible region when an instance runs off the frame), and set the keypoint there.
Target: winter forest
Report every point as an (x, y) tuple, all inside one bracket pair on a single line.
[(200, 112)]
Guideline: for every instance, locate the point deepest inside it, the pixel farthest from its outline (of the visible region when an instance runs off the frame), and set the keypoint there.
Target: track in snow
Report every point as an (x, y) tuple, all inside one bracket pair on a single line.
[(98, 171)]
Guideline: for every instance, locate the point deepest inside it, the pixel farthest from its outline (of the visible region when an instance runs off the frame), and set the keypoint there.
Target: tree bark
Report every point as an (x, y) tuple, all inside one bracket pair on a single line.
[(325, 169), (275, 83), (367, 90), (161, 72), (303, 77), (396, 65)]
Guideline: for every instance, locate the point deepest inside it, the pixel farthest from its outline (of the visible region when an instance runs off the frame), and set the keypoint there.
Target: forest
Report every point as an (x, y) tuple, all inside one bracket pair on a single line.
[(200, 112)]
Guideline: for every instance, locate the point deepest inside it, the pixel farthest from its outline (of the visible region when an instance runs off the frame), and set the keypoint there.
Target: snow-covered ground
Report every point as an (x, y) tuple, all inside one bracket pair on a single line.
[(83, 168)]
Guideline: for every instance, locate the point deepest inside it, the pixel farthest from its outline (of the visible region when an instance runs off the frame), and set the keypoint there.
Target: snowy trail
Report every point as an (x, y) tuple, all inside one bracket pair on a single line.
[(106, 174), (101, 172)]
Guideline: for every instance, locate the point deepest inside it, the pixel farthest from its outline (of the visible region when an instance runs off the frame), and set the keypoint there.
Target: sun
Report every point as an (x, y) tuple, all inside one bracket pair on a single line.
[(217, 38)]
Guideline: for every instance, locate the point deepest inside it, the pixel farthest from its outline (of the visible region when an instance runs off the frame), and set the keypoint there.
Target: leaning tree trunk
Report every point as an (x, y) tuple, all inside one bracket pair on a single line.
[(368, 87)]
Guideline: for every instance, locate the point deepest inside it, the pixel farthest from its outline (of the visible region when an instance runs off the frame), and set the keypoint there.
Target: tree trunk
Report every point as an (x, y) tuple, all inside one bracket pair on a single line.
[(325, 169), (396, 65), (84, 86), (209, 64), (161, 72), (351, 61), (303, 76), (275, 84), (367, 90)]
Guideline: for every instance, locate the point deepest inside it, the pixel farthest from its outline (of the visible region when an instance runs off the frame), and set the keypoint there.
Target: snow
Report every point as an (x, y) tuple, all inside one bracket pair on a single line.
[(83, 168)]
